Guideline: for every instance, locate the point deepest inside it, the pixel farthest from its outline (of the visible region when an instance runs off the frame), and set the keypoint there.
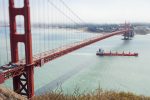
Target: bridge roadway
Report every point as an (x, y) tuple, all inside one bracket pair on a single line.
[(45, 57)]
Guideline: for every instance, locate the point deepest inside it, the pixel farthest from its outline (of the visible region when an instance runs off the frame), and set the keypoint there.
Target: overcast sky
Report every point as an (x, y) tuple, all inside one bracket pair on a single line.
[(112, 10), (91, 11)]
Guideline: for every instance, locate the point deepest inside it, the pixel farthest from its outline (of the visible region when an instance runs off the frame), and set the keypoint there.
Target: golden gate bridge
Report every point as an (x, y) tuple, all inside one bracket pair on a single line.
[(22, 70)]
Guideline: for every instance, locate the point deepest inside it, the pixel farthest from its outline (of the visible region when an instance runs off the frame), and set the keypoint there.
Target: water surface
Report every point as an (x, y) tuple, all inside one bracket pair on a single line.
[(85, 70)]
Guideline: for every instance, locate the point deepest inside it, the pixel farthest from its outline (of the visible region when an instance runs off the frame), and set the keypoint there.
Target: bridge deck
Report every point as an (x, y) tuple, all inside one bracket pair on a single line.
[(45, 57)]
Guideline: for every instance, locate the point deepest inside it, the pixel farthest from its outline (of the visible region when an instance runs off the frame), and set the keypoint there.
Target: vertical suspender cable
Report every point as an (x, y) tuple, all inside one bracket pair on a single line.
[(52, 38), (64, 33), (0, 39), (38, 26), (5, 24), (43, 28), (74, 14), (40, 33), (45, 20), (48, 26)]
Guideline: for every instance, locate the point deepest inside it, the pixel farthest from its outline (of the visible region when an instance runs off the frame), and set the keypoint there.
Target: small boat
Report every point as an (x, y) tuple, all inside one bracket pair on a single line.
[(101, 52)]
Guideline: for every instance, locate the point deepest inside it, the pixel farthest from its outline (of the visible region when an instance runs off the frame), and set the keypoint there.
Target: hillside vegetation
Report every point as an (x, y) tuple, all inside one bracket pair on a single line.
[(99, 94)]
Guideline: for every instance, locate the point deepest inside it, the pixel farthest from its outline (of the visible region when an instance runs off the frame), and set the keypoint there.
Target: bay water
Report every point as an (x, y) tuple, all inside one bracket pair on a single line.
[(84, 70)]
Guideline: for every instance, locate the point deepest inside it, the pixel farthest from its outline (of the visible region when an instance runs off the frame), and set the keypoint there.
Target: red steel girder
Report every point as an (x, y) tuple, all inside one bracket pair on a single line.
[(48, 56)]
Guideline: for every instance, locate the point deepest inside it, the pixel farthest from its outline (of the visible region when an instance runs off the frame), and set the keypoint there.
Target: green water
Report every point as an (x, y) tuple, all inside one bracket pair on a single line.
[(83, 69)]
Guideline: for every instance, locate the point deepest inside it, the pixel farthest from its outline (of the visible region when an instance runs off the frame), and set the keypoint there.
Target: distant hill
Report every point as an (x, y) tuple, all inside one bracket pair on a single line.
[(142, 30)]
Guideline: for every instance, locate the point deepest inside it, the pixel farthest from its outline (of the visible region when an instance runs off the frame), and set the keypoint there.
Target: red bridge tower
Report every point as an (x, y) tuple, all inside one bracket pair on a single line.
[(24, 83)]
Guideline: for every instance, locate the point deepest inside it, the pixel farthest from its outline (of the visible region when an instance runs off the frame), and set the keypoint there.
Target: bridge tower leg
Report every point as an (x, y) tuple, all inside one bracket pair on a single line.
[(24, 83)]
